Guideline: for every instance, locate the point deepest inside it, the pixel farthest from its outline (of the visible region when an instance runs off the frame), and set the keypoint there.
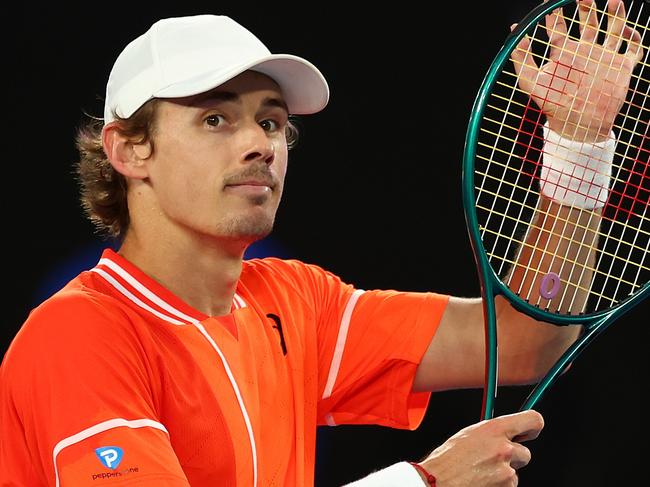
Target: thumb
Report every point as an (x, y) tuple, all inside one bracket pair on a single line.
[(524, 425), (524, 64)]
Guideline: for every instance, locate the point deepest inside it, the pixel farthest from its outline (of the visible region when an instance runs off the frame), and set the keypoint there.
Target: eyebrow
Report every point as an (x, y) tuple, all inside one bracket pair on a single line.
[(228, 96)]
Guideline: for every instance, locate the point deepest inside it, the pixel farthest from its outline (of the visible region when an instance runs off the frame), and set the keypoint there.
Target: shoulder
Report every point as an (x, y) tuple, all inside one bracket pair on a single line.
[(296, 284), (74, 321), (75, 308), (71, 343)]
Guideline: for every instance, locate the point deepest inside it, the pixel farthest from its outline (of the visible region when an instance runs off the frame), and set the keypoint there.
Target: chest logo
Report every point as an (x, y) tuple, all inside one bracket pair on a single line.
[(278, 326)]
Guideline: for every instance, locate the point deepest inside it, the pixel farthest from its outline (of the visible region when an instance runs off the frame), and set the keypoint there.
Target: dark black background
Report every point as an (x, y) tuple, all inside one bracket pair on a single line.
[(373, 194)]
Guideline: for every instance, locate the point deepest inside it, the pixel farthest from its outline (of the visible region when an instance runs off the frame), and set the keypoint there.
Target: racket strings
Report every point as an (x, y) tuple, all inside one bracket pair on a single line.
[(605, 16), (584, 245), (625, 140), (615, 190), (642, 109), (595, 235), (564, 262), (526, 194), (573, 261), (633, 284), (621, 204), (507, 181), (528, 266), (531, 208)]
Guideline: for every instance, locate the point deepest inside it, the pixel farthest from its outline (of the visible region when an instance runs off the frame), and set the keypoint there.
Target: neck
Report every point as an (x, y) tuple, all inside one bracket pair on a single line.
[(204, 276)]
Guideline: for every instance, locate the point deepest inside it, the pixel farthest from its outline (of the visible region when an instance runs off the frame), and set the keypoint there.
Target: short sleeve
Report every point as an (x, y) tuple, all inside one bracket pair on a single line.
[(369, 345), (373, 351), (77, 403)]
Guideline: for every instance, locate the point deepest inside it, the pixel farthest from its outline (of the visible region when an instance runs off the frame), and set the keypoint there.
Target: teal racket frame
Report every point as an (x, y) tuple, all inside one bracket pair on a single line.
[(491, 286)]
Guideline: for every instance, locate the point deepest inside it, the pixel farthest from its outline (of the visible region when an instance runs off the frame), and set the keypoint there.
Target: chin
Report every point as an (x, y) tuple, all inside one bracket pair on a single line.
[(249, 229), (254, 236)]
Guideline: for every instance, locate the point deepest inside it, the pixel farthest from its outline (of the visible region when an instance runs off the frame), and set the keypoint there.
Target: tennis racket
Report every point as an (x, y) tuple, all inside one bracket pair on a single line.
[(562, 264)]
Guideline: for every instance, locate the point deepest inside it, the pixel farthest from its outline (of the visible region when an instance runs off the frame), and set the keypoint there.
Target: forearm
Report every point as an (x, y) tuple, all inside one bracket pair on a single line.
[(554, 265), (528, 348), (556, 260), (551, 268)]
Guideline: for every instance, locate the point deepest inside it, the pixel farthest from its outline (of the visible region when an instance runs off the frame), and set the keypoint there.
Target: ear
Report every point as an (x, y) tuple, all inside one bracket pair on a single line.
[(126, 157)]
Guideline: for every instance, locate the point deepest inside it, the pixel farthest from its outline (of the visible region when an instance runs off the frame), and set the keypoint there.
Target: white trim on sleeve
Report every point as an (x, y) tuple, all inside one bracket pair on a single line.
[(340, 347), (100, 428)]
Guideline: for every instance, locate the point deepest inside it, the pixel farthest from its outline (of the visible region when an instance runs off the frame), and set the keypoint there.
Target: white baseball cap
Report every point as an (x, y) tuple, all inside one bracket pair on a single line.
[(184, 56)]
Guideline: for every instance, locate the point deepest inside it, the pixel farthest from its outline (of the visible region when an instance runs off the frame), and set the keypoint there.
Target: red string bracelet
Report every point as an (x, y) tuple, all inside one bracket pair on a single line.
[(430, 478)]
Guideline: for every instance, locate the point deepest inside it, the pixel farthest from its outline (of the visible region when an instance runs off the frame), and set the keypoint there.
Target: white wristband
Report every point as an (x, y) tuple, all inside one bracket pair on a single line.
[(397, 475), (576, 173)]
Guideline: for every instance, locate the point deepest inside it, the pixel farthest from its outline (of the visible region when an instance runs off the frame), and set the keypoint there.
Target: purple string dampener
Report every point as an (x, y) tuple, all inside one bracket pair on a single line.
[(550, 285)]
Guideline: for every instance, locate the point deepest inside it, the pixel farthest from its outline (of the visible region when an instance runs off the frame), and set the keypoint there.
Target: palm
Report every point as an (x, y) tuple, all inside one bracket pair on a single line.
[(582, 86)]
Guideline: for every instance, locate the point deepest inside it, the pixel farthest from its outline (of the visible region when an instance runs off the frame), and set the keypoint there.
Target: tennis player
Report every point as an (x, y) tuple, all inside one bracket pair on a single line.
[(175, 362)]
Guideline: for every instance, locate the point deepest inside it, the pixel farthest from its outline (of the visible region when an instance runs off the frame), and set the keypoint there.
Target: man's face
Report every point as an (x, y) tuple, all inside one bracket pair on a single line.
[(220, 159)]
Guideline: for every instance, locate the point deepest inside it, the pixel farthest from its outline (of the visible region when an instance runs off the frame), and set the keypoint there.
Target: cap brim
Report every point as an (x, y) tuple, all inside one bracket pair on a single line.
[(303, 87)]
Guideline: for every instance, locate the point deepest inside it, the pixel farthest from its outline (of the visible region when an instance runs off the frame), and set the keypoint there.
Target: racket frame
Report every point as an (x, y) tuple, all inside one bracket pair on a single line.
[(490, 283)]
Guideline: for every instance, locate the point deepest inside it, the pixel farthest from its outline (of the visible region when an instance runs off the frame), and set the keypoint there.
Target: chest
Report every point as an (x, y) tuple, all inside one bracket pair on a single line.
[(234, 401)]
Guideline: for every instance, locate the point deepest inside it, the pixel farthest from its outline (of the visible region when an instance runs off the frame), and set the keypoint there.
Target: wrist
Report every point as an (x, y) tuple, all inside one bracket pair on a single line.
[(578, 133), (575, 173), (400, 474), (428, 477)]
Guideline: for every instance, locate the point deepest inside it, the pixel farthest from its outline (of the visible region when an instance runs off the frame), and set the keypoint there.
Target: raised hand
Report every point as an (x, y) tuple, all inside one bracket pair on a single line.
[(582, 86)]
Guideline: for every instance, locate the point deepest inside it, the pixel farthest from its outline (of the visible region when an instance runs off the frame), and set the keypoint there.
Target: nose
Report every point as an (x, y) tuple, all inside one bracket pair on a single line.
[(258, 146)]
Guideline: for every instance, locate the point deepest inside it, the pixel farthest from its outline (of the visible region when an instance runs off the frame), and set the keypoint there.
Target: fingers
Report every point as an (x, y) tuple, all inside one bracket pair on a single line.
[(522, 426), (618, 31), (588, 20), (634, 46), (617, 28), (615, 25), (556, 29), (524, 63), (520, 456)]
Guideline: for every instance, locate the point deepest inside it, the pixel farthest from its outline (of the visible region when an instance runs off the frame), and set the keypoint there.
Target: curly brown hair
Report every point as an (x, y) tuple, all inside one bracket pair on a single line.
[(102, 188)]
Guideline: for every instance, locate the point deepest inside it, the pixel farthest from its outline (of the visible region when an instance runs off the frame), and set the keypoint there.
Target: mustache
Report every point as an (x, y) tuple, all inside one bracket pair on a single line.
[(259, 173)]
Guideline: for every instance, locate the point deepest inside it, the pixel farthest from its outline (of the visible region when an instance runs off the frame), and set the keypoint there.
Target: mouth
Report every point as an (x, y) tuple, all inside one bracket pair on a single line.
[(251, 187), (256, 181), (253, 182)]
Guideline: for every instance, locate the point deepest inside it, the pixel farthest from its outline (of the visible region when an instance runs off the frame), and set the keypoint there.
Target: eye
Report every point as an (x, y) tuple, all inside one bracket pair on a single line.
[(214, 120), (270, 125)]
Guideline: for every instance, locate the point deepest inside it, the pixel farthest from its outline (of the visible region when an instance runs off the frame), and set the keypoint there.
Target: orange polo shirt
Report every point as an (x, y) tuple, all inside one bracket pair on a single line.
[(116, 381)]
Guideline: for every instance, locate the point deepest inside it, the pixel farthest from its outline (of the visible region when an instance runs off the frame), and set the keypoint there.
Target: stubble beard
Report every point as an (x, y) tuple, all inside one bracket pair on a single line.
[(247, 229)]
